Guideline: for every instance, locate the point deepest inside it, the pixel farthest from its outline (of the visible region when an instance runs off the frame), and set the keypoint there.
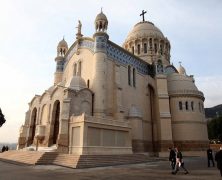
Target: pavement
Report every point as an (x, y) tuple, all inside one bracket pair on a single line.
[(156, 170)]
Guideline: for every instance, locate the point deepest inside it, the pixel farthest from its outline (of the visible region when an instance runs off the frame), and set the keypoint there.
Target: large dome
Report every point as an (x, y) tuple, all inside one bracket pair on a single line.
[(144, 29)]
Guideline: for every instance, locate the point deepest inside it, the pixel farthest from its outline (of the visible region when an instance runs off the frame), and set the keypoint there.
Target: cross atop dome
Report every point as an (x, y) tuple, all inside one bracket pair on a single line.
[(143, 14)]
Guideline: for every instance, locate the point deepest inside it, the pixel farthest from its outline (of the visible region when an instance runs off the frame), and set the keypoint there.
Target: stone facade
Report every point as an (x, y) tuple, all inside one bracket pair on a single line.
[(108, 99)]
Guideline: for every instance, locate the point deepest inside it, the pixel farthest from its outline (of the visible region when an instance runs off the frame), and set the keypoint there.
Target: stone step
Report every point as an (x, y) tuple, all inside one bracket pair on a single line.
[(70, 160)]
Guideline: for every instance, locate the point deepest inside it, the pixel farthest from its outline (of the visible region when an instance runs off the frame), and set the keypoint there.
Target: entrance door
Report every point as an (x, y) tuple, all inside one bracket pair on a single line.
[(33, 124), (56, 121)]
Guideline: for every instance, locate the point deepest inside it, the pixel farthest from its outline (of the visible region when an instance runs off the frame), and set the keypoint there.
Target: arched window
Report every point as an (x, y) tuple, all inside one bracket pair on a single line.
[(192, 107), (145, 48), (138, 48), (133, 49), (88, 83), (161, 49), (180, 105), (186, 104), (129, 75), (150, 43), (155, 48), (75, 69), (79, 68), (134, 77)]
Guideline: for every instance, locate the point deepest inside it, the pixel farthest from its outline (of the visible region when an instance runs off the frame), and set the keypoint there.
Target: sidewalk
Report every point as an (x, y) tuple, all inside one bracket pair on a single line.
[(197, 167)]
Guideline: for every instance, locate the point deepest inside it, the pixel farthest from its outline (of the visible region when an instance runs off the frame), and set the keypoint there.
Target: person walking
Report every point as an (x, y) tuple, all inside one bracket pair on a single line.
[(218, 159), (3, 149), (172, 158), (210, 157), (179, 162)]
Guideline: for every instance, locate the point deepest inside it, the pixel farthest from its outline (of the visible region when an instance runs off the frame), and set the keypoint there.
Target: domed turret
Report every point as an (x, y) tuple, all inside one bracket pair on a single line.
[(181, 70), (62, 48), (101, 22)]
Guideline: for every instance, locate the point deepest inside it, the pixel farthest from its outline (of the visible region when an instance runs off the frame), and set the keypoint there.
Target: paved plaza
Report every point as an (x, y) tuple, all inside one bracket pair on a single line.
[(155, 170)]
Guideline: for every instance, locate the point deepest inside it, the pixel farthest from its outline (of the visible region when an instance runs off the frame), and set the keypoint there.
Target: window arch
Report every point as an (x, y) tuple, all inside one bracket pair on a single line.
[(155, 48), (129, 75), (187, 106), (134, 77), (79, 68), (192, 106), (75, 69), (180, 105), (150, 43), (145, 48), (138, 49), (88, 83), (161, 49)]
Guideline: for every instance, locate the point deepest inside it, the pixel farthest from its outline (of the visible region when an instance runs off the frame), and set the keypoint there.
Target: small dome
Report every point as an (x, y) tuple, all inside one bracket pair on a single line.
[(76, 83), (179, 82), (101, 22), (63, 44), (144, 29), (101, 16), (134, 112), (181, 70)]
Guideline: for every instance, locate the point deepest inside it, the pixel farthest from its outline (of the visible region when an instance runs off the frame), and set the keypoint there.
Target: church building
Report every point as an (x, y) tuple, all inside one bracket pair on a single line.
[(112, 99)]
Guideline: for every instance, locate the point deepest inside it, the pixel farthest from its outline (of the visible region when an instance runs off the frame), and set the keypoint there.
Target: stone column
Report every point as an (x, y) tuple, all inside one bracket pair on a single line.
[(164, 127), (100, 74)]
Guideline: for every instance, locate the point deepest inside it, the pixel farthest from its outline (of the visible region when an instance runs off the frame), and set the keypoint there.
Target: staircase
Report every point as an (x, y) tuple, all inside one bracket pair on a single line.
[(70, 160), (21, 157)]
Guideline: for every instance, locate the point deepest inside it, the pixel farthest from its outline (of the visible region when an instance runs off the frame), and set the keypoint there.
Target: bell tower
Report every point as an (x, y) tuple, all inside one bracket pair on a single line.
[(62, 49), (100, 65)]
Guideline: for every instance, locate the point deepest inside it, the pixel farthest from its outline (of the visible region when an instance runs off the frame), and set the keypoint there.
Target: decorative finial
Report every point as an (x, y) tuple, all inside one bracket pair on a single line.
[(143, 14), (101, 9), (180, 63), (63, 37)]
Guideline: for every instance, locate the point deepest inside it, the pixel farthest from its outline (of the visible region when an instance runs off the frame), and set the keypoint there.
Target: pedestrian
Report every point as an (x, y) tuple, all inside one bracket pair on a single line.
[(218, 159), (3, 149), (210, 157), (6, 148), (179, 162), (172, 157)]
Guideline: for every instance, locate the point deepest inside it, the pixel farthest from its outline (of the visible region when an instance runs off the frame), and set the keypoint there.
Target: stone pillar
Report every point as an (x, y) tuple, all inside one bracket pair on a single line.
[(164, 123), (100, 74)]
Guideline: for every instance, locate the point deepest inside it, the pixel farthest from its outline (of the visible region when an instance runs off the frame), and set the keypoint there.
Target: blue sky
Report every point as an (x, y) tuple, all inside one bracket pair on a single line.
[(31, 30)]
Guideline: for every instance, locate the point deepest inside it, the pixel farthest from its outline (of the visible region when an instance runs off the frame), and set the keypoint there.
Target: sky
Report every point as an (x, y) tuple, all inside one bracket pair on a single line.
[(31, 30)]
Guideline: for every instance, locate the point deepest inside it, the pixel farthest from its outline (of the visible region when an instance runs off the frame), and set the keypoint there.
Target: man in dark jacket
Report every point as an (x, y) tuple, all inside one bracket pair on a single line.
[(179, 162), (172, 158), (218, 158), (210, 157)]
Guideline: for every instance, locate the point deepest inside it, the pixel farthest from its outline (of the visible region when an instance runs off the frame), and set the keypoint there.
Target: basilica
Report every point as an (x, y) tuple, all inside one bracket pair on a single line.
[(112, 99)]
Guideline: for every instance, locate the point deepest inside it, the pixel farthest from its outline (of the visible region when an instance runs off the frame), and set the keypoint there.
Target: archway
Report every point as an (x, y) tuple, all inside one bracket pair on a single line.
[(33, 124), (55, 121), (152, 115)]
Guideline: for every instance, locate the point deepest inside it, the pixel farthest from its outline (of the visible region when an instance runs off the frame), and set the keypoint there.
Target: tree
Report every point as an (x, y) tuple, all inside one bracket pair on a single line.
[(215, 128), (2, 118)]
